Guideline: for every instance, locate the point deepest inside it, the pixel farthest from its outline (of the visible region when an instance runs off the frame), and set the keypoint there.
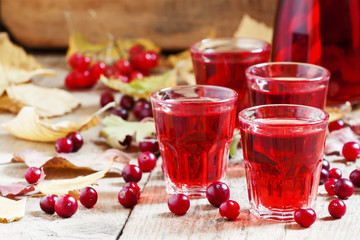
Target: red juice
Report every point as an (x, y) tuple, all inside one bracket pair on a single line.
[(222, 62), (326, 33), (283, 159), (194, 134)]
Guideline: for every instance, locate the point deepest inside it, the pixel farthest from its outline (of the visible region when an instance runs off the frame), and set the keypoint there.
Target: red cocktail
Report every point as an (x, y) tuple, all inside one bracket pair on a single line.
[(287, 83), (283, 149), (194, 126), (222, 62)]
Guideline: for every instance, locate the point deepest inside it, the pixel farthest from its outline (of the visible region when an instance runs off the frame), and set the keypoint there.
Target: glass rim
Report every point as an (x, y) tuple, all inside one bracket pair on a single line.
[(324, 77), (264, 45), (233, 97), (243, 119)]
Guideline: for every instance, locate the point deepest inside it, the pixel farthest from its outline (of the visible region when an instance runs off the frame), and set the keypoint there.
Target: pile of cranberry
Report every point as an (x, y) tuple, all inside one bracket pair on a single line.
[(86, 71)]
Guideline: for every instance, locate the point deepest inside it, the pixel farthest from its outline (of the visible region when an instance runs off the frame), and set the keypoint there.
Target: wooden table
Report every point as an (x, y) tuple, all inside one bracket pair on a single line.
[(151, 219)]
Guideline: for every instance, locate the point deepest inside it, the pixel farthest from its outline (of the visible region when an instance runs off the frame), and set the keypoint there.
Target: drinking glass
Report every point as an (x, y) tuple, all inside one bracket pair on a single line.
[(287, 83), (194, 127), (283, 147)]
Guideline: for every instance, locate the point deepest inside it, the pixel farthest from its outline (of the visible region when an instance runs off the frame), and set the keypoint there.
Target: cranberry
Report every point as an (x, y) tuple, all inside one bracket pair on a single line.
[(325, 164), (127, 102), (96, 71), (79, 61), (32, 175), (127, 141), (337, 208), (136, 75), (120, 112), (76, 139), (179, 204), (344, 188), (123, 66), (149, 144), (47, 203), (128, 197), (63, 145), (88, 197), (305, 216), (142, 109), (335, 173), (66, 206), (229, 209), (217, 193), (336, 125), (106, 97), (329, 185), (351, 150), (355, 177), (324, 175), (147, 161), (133, 186), (131, 173)]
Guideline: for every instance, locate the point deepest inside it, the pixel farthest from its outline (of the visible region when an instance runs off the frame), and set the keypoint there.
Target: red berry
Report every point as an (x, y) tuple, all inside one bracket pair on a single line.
[(337, 208), (344, 188), (324, 175), (127, 102), (128, 197), (66, 206), (83, 79), (329, 185), (63, 145), (135, 187), (147, 161), (131, 173), (127, 141), (105, 98), (335, 173), (217, 193), (351, 150), (32, 175), (145, 60), (229, 209), (134, 50), (179, 204), (136, 75), (121, 112), (305, 216), (71, 80), (121, 77), (336, 125), (325, 164), (76, 139), (123, 66), (149, 144), (355, 177), (142, 109), (88, 197), (47, 203), (79, 61), (96, 71)]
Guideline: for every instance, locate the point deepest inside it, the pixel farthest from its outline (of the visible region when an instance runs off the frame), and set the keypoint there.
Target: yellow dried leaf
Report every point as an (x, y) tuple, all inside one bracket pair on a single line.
[(109, 51), (28, 125), (185, 66), (338, 112), (14, 75), (64, 186), (11, 210), (57, 102)]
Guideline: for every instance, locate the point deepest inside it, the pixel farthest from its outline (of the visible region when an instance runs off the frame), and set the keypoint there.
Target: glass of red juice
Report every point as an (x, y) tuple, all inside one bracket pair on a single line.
[(287, 83), (194, 127), (283, 148), (222, 62)]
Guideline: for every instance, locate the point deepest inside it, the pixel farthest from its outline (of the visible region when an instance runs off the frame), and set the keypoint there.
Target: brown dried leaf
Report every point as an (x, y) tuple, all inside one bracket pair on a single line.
[(77, 161), (336, 140), (28, 125), (48, 102), (64, 186), (353, 120), (11, 210), (15, 189), (338, 112)]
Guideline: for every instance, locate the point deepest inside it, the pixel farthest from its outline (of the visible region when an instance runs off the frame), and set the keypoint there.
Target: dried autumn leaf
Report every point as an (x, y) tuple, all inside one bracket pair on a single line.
[(142, 87), (116, 129), (28, 125), (336, 140), (64, 186), (76, 161), (353, 120), (14, 189), (11, 210), (58, 102), (338, 112), (109, 51)]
